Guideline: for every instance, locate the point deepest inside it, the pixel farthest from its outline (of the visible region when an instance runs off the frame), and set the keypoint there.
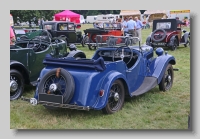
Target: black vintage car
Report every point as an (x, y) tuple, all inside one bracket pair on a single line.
[(67, 29), (26, 60)]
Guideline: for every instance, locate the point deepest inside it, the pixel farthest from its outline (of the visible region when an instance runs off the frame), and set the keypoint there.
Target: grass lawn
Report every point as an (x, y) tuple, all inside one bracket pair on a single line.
[(152, 110)]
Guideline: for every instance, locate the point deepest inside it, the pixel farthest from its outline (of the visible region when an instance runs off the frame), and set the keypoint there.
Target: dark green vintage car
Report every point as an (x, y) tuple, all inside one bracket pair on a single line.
[(21, 34), (26, 61)]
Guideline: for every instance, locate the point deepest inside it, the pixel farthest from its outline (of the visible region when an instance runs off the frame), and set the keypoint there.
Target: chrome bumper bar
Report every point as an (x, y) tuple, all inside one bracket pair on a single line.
[(34, 102)]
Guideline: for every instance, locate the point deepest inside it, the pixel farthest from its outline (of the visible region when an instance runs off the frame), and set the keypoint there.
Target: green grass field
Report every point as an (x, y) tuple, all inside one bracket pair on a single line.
[(152, 110)]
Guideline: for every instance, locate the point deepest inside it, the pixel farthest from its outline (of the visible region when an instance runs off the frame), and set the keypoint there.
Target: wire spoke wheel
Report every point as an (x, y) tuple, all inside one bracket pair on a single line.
[(55, 85), (16, 84), (167, 80), (115, 98), (168, 76)]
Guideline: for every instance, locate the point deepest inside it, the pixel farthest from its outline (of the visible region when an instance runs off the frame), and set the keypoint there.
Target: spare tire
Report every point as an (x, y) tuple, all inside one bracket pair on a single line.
[(61, 80), (162, 37)]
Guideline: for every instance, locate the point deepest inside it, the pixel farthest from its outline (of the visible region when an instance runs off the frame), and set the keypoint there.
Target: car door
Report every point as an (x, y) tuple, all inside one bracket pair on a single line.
[(67, 29), (135, 74), (71, 33)]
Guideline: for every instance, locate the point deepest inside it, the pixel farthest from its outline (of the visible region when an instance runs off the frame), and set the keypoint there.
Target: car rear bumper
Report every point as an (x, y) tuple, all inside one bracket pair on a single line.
[(34, 102)]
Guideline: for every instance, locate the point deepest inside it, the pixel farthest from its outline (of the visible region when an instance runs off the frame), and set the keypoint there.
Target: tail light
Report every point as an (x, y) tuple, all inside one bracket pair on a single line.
[(101, 93)]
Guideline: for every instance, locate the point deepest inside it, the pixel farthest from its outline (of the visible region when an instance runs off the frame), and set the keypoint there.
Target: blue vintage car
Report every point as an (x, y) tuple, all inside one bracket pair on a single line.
[(116, 70)]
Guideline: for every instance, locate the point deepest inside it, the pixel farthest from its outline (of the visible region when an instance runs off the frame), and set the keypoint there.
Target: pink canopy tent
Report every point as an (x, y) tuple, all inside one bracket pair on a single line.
[(67, 15)]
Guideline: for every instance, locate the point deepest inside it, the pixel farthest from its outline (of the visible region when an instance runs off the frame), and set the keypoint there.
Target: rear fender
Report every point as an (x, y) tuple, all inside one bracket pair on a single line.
[(21, 68), (159, 65), (106, 85)]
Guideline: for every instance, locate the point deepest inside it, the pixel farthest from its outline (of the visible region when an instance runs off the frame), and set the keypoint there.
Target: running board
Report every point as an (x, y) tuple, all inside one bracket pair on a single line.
[(148, 83)]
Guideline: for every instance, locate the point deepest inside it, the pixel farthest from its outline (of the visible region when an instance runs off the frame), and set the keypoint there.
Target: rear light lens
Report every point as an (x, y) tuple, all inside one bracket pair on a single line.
[(101, 93)]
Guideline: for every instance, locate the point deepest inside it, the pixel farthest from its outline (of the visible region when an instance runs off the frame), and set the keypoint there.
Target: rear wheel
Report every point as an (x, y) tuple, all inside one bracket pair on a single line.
[(167, 79), (175, 44), (115, 99), (16, 84)]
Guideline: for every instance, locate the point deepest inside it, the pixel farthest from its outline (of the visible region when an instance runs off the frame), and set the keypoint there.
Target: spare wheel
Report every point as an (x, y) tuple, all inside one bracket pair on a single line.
[(58, 81)]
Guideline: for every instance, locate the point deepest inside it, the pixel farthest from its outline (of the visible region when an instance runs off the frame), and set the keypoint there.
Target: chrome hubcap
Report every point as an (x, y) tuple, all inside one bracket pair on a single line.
[(53, 87), (116, 96), (169, 78), (13, 86)]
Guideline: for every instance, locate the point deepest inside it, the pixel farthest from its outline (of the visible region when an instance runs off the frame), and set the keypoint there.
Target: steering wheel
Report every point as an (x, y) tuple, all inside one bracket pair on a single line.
[(63, 37), (29, 43), (122, 56), (36, 48), (160, 37), (48, 34)]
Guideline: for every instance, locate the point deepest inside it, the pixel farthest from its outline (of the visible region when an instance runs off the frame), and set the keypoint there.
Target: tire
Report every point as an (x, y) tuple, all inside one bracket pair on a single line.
[(65, 84), (85, 39), (175, 44), (162, 38), (16, 84), (167, 79), (116, 86), (148, 42)]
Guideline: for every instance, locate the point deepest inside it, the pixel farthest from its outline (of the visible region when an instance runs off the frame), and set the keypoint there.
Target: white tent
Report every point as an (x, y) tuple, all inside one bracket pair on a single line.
[(155, 14), (133, 13)]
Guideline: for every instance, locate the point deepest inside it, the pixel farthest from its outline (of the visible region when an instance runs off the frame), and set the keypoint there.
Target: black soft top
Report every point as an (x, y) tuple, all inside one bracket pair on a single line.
[(173, 23)]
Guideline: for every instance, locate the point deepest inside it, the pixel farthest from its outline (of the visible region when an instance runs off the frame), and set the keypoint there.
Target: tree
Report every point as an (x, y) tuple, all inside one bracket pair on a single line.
[(27, 15)]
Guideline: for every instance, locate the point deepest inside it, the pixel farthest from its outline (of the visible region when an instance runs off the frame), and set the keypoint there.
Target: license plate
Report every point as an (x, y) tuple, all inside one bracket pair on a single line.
[(51, 98), (159, 44)]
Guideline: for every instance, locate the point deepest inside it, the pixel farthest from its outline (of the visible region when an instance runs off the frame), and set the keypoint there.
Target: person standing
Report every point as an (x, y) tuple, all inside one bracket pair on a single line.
[(125, 29), (12, 37), (131, 25), (179, 23), (138, 28), (41, 23)]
